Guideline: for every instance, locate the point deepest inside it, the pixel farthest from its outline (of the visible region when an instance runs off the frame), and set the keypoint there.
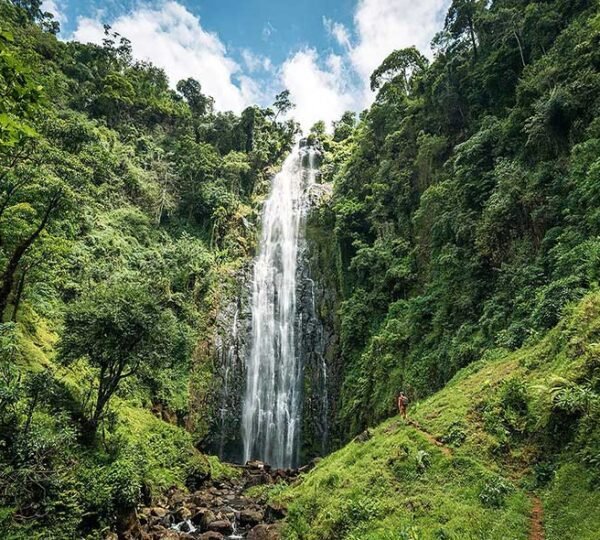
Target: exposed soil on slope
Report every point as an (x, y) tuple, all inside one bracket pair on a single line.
[(536, 531)]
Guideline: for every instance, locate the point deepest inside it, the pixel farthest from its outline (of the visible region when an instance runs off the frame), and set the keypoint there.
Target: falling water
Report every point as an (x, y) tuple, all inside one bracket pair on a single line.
[(228, 364), (272, 404)]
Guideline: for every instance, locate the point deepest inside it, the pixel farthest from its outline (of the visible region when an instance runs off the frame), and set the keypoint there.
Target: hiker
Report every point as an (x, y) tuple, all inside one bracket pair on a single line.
[(402, 404)]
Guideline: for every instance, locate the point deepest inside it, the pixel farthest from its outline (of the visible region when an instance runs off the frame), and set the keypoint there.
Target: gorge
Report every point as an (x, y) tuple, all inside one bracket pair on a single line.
[(206, 322)]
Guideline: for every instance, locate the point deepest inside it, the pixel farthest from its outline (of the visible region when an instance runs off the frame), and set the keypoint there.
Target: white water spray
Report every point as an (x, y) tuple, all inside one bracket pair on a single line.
[(272, 404)]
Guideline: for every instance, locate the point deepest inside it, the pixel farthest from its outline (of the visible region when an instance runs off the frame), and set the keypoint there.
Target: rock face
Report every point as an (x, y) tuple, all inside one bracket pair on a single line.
[(319, 300), (229, 351), (216, 511)]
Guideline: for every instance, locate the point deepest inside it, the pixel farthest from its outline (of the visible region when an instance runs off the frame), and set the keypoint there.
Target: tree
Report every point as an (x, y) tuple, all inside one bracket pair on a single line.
[(508, 25), (282, 103), (21, 97), (460, 20), (343, 128), (8, 276), (191, 90), (318, 129), (119, 327), (399, 66)]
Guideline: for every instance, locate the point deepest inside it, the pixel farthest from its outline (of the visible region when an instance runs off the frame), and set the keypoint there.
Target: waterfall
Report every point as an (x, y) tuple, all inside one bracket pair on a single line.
[(273, 396)]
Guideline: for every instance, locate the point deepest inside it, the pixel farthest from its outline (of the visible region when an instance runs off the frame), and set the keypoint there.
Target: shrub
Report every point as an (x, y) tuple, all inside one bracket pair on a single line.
[(455, 434), (493, 492)]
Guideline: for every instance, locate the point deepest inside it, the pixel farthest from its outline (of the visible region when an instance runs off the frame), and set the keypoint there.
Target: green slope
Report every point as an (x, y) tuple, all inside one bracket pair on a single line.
[(473, 457)]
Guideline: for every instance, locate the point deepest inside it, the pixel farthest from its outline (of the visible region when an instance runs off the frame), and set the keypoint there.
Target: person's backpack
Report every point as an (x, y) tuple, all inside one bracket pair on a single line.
[(404, 400)]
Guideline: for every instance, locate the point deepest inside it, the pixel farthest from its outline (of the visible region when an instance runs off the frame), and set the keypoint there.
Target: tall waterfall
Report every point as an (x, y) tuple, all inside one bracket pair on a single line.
[(271, 417)]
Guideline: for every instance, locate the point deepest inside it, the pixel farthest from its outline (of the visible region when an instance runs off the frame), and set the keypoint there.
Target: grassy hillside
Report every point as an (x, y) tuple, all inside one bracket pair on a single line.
[(474, 457)]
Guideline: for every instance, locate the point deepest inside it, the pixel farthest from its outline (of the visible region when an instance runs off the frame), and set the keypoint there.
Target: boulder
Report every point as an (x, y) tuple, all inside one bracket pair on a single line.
[(198, 516), (258, 478), (176, 498), (222, 526), (274, 512), (158, 512), (264, 532), (183, 513), (211, 535), (169, 534), (207, 518), (249, 517)]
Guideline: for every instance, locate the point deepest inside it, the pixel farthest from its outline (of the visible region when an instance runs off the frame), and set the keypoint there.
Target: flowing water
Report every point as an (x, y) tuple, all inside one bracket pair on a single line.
[(271, 417)]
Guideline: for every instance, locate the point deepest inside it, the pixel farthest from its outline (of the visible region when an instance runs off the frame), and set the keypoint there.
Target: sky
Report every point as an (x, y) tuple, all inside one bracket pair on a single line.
[(244, 52)]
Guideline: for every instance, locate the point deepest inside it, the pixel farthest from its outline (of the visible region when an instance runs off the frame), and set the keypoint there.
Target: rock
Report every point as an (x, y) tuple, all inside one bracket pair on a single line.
[(274, 512), (249, 517), (167, 521), (258, 478), (127, 524), (256, 464), (211, 535), (264, 532), (207, 519), (176, 498), (169, 534), (363, 437), (222, 526), (198, 516), (160, 533), (201, 499), (158, 512), (183, 514)]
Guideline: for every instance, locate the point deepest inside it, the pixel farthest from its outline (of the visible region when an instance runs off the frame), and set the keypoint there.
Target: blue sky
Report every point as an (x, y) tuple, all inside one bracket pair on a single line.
[(245, 51)]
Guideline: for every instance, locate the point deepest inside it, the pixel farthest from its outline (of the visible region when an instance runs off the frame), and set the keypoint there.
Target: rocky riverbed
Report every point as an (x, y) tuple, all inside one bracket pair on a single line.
[(219, 510)]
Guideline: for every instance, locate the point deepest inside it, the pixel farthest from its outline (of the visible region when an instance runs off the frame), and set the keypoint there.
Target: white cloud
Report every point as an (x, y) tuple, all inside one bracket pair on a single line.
[(256, 62), (322, 86), (173, 39), (320, 93), (54, 7), (385, 25), (338, 31)]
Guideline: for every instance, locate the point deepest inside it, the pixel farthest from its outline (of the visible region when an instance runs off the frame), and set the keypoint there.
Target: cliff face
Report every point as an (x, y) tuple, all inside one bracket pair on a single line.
[(225, 354), (318, 343)]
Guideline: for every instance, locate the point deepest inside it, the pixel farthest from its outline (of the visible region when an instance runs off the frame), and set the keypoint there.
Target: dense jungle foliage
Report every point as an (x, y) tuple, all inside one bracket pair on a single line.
[(466, 199), (124, 208), (465, 212), (463, 228)]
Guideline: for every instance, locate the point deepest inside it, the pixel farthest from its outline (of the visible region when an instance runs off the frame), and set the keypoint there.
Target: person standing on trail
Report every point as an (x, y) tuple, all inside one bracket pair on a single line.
[(402, 404)]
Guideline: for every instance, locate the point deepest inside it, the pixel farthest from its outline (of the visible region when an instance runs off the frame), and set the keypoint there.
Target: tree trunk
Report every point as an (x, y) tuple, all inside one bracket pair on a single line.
[(8, 277), (18, 295), (520, 47), (473, 39)]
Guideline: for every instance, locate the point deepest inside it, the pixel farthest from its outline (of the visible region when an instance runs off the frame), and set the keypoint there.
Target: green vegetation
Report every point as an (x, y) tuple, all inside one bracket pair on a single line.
[(461, 243), (465, 206), (125, 209), (465, 218), (512, 424)]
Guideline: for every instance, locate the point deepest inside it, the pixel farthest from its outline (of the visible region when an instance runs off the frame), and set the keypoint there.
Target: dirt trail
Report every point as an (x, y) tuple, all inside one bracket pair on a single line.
[(536, 530), (536, 527)]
